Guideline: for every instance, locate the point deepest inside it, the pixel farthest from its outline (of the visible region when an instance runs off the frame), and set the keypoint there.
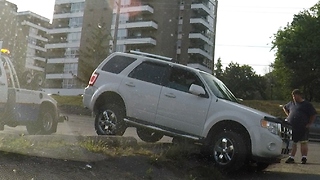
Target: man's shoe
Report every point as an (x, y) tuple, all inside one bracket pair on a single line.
[(303, 160), (290, 160)]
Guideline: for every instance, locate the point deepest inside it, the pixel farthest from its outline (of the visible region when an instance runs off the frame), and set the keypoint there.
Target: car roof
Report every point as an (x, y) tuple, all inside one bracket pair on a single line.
[(158, 58)]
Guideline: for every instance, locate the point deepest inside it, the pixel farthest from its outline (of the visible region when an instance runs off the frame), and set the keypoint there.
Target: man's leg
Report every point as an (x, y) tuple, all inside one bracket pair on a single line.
[(304, 148), (294, 149), (292, 154)]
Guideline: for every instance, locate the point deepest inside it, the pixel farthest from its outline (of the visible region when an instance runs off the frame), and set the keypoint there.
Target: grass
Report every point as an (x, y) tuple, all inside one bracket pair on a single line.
[(68, 100), (272, 107)]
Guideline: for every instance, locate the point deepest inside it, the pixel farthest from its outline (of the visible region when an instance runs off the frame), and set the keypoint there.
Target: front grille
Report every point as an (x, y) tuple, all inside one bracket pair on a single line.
[(285, 132), (286, 136)]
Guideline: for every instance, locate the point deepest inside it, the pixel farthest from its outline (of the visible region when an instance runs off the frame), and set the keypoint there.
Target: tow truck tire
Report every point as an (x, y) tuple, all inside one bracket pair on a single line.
[(45, 125)]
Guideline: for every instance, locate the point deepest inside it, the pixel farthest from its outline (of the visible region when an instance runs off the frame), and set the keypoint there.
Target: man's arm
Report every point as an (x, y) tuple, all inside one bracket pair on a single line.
[(285, 111), (311, 120)]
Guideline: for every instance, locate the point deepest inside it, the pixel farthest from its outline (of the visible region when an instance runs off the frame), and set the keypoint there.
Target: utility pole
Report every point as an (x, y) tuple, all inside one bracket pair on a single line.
[(116, 26), (214, 28)]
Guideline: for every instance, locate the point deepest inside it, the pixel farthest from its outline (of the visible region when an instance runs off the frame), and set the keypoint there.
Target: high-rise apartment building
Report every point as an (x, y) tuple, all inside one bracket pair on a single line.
[(8, 24), (24, 34), (29, 53), (181, 29), (63, 45)]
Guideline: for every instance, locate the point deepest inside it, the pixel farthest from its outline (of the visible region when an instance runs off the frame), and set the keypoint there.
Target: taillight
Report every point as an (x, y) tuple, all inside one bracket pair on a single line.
[(93, 79)]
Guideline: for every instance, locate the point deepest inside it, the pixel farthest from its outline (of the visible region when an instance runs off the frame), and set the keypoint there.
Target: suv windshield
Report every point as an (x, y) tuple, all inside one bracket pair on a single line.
[(218, 88)]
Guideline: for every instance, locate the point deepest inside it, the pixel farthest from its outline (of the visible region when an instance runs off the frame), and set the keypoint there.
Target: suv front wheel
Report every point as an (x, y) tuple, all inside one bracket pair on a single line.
[(109, 120), (229, 151)]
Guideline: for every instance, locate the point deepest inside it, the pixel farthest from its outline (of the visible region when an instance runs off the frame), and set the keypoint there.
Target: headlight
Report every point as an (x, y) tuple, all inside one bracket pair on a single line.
[(271, 126)]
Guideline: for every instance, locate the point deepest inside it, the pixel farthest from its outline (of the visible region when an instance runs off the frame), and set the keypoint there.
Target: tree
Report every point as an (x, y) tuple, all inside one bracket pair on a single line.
[(244, 82), (96, 49), (218, 72), (297, 63)]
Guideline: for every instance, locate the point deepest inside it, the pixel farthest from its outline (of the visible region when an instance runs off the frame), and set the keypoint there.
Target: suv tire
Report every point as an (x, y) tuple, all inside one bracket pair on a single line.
[(148, 135), (109, 120), (229, 151)]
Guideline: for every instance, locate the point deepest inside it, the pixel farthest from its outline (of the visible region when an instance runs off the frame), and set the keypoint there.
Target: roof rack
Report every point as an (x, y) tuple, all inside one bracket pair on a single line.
[(150, 55)]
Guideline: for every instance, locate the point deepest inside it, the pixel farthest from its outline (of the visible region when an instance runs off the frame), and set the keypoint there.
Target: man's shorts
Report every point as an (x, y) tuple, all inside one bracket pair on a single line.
[(300, 136)]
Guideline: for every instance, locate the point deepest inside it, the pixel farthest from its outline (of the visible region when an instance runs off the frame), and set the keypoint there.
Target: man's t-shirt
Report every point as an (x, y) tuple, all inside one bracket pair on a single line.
[(299, 114)]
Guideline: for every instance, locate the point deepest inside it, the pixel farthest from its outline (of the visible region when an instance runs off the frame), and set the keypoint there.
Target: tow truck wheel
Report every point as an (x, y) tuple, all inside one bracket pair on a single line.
[(45, 125)]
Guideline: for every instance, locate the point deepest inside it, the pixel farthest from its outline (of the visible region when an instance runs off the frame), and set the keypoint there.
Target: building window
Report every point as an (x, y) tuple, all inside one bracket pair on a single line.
[(76, 22), (70, 68), (74, 37), (77, 7), (33, 31), (69, 83), (72, 53), (32, 41)]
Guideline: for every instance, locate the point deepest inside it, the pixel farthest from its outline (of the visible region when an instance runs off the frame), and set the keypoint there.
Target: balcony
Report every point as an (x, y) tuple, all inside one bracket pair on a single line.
[(202, 9), (68, 15), (63, 45), (137, 41), (40, 59), (37, 48), (35, 68), (201, 52), (59, 76), (202, 23), (38, 37), (68, 1), (64, 30), (27, 23), (137, 24), (201, 37), (147, 9), (62, 60)]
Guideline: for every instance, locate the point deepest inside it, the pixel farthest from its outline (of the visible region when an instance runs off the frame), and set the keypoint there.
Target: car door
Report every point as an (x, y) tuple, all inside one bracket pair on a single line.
[(314, 129), (141, 90), (178, 109)]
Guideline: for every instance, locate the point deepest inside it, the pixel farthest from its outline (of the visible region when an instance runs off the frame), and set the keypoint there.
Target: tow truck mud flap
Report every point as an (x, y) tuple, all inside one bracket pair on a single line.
[(63, 118)]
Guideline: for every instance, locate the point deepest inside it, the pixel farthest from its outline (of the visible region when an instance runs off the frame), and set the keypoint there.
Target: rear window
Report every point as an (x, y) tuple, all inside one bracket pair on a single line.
[(118, 64)]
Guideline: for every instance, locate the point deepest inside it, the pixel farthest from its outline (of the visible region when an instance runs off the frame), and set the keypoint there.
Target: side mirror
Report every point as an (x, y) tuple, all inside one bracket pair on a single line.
[(196, 90)]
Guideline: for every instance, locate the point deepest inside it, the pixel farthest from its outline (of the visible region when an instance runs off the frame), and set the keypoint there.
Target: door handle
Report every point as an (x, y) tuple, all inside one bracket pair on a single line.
[(130, 84), (170, 95), (2, 84)]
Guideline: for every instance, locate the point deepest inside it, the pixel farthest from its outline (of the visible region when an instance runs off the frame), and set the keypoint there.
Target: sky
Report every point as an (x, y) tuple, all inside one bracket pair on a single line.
[(245, 28)]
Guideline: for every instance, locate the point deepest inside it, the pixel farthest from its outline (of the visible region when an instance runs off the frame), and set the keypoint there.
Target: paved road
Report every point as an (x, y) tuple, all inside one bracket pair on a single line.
[(77, 125)]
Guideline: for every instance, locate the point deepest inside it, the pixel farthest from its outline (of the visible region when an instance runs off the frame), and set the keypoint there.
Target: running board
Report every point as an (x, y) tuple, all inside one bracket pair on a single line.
[(162, 130)]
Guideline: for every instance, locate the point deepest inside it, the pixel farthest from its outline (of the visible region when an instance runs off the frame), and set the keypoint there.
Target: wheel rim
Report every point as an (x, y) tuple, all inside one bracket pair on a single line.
[(223, 151), (47, 122), (107, 122)]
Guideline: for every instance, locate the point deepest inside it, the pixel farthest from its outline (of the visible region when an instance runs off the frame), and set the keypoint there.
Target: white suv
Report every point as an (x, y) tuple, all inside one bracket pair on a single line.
[(160, 97)]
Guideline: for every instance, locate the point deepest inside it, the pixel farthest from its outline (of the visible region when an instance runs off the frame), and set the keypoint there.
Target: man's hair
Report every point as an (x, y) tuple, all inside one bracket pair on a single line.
[(296, 92)]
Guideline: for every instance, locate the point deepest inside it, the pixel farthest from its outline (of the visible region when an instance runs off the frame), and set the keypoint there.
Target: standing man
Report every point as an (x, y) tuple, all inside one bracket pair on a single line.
[(301, 115)]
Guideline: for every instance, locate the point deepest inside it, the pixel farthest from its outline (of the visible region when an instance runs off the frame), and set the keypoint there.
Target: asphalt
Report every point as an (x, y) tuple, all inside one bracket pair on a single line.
[(66, 147)]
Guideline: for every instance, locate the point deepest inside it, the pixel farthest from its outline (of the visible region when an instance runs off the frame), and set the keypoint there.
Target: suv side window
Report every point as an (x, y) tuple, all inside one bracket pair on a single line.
[(149, 72), (117, 63), (181, 79)]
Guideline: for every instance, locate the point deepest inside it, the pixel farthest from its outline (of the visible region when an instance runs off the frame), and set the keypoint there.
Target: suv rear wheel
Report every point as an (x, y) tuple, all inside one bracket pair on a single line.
[(109, 120), (148, 135)]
